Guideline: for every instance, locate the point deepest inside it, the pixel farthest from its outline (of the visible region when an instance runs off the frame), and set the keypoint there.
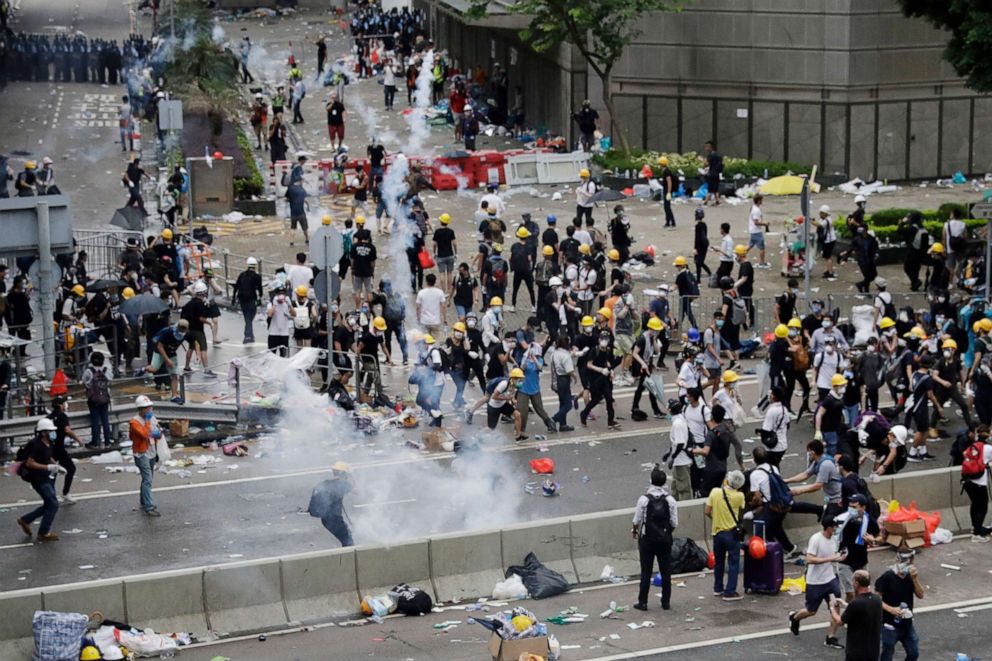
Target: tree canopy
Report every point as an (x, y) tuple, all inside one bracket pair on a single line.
[(969, 49)]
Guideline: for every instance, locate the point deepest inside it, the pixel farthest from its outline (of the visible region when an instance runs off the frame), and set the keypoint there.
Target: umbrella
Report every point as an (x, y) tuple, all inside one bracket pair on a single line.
[(457, 153), (143, 304), (104, 284), (129, 218), (607, 195)]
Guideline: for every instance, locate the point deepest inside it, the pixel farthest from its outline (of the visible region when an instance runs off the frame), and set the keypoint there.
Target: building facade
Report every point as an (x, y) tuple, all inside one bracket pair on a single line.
[(850, 85)]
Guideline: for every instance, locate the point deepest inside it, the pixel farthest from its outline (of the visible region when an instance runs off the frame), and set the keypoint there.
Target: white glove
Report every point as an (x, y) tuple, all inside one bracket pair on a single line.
[(668, 197), (56, 468), (749, 516), (473, 354)]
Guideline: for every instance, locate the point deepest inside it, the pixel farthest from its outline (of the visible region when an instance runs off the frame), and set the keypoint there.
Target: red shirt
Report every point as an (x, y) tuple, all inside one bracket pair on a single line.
[(457, 102)]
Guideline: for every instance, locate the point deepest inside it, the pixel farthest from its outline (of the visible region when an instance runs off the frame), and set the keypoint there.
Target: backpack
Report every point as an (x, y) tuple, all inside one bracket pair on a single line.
[(285, 178), (22, 458), (498, 271), (393, 309), (780, 496), (888, 307), (738, 312), (346, 243), (657, 518), (543, 272), (973, 464), (445, 360), (958, 243), (691, 284), (302, 319), (961, 443), (98, 389), (493, 383), (800, 358)]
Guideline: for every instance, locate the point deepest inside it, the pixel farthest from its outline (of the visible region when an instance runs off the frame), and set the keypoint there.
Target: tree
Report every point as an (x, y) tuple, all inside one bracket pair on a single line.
[(969, 49), (600, 29)]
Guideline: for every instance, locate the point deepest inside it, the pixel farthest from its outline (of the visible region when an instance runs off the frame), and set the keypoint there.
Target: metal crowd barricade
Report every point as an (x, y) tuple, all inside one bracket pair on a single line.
[(103, 249)]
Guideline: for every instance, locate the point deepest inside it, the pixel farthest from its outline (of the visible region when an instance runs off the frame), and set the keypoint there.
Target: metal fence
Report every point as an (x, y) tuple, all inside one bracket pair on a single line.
[(103, 249)]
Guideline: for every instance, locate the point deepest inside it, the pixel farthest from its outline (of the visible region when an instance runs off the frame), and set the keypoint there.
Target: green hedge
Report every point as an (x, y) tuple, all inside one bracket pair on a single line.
[(246, 187), (689, 163), (885, 222)]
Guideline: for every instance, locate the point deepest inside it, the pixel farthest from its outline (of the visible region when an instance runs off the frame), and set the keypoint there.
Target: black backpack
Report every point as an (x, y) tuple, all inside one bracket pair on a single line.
[(22, 456), (889, 308), (657, 518)]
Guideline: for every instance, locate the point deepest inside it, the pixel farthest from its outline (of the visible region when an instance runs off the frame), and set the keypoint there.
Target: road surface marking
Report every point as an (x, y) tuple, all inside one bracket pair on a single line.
[(387, 502), (16, 546)]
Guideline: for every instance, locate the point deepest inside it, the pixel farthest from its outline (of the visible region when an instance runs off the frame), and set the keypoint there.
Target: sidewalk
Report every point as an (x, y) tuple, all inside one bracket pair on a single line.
[(697, 619)]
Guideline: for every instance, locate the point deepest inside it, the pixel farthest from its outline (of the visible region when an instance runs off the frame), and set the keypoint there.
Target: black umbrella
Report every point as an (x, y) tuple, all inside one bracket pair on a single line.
[(104, 284), (143, 304), (129, 218), (607, 195)]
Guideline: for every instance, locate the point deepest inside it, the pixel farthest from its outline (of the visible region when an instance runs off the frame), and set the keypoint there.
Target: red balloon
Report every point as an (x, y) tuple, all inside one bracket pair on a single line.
[(218, 155), (756, 547), (710, 561)]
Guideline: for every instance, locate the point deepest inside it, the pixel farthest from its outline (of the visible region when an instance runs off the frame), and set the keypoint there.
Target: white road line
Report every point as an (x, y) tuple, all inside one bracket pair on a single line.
[(16, 546), (386, 502)]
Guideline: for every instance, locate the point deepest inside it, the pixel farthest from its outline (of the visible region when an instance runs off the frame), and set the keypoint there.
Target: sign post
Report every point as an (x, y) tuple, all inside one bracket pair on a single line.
[(326, 250), (808, 254)]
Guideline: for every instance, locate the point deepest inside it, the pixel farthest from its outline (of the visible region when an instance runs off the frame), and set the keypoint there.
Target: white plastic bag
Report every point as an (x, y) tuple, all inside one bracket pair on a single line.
[(941, 536), (162, 449), (511, 588), (863, 320), (147, 643)]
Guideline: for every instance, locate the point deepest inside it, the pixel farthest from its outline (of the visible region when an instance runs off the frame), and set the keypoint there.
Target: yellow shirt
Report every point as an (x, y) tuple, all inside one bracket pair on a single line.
[(722, 519)]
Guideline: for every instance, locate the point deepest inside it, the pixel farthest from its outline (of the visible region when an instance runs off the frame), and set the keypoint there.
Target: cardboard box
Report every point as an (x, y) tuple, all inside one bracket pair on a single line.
[(906, 528), (510, 650), (902, 542), (179, 428)]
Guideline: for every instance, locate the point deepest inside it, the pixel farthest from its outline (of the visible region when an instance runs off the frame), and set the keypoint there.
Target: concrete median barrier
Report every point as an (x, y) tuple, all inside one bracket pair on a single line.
[(244, 597), (931, 490), (169, 601), (380, 568), (16, 614), (960, 503), (465, 565), (550, 540), (693, 523), (602, 539), (106, 596), (321, 585)]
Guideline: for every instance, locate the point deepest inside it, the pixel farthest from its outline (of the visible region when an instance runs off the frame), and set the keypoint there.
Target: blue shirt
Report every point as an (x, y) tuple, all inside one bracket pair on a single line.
[(532, 377)]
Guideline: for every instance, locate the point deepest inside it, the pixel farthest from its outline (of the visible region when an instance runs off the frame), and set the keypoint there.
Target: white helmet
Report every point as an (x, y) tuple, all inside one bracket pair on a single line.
[(200, 287), (825, 209), (45, 424), (251, 262), (555, 281), (901, 434), (860, 199), (142, 401)]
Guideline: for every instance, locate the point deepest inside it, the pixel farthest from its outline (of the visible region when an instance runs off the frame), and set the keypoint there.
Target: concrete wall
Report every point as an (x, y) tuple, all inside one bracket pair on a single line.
[(277, 592)]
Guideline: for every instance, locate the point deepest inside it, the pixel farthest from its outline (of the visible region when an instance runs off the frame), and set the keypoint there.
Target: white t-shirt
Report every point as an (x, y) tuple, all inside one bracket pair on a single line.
[(954, 228), (830, 234), (755, 217), (760, 480), (827, 365), (299, 275), (777, 420), (727, 248), (820, 547), (986, 459), (689, 375), (587, 280), (679, 436), (697, 417), (494, 201), (583, 237), (281, 320), (429, 301), (500, 390), (726, 400)]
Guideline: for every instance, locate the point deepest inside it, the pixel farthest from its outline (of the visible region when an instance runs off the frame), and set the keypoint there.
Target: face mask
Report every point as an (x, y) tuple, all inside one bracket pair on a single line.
[(604, 343), (826, 323), (829, 349), (902, 567), (871, 348), (587, 330), (496, 309), (794, 290), (816, 309), (840, 391), (375, 332), (470, 323), (733, 386), (558, 291), (793, 332), (52, 435), (699, 360), (853, 512), (947, 354), (940, 320), (180, 336), (719, 323), (941, 299), (459, 335)]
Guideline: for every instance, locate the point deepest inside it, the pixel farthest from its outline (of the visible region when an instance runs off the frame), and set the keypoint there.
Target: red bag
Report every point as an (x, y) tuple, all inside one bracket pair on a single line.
[(543, 465), (426, 261)]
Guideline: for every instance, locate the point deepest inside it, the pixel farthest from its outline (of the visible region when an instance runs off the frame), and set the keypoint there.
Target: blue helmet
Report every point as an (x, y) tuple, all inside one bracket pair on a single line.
[(552, 219), (693, 335)]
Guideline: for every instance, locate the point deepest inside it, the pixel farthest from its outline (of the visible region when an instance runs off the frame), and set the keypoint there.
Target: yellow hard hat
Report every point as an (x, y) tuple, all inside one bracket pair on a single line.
[(459, 326), (547, 251), (497, 247), (587, 321), (740, 249), (985, 325), (730, 376), (795, 323), (127, 293), (522, 623), (428, 338), (495, 300), (516, 373), (781, 331), (302, 290), (523, 232), (326, 220), (30, 165), (340, 467), (919, 333), (949, 344), (838, 380), (614, 255), (584, 173), (90, 653), (937, 248), (166, 233), (78, 290), (662, 161), (654, 323), (680, 261), (585, 249), (886, 322), (444, 218), (976, 327), (379, 323), (605, 312), (359, 220)]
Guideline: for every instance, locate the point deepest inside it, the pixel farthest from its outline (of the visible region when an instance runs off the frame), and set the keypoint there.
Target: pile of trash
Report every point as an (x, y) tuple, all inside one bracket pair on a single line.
[(858, 186), (75, 636), (518, 633), (403, 599)]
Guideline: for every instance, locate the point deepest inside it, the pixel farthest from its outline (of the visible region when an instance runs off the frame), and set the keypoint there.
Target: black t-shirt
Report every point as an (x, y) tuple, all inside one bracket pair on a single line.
[(335, 114), (192, 312), (857, 554), (443, 237), (520, 257), (786, 307), (863, 618), (344, 337), (377, 154), (496, 367), (464, 288), (550, 238), (746, 272), (570, 247), (370, 344), (586, 119), (61, 421), (895, 590), (701, 241), (922, 386), (363, 256), (848, 487), (833, 409), (42, 453)]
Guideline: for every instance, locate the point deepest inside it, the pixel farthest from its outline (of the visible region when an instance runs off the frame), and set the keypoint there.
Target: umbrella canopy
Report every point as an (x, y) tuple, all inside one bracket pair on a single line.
[(143, 304), (104, 284), (607, 195), (129, 218)]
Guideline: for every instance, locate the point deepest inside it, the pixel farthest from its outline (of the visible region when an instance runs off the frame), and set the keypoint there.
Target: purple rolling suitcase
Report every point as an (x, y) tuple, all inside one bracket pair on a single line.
[(764, 576)]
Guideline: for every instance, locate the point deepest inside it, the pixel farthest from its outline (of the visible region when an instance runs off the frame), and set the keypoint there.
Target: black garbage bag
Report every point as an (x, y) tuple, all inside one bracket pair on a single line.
[(540, 581), (411, 600), (644, 257), (687, 557)]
